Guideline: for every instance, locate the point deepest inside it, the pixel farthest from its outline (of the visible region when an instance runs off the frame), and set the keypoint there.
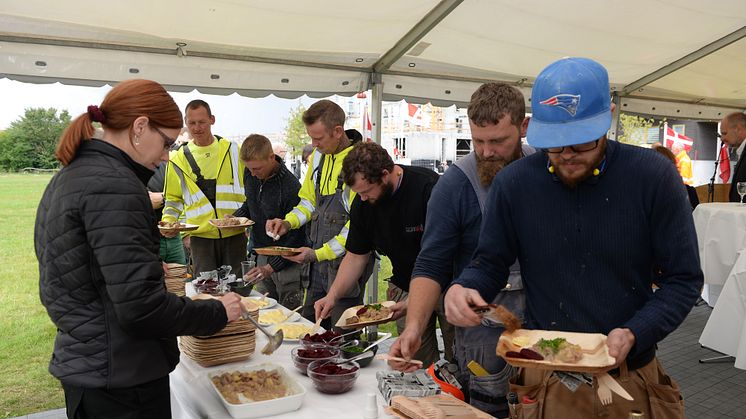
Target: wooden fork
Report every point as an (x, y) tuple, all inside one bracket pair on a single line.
[(604, 393)]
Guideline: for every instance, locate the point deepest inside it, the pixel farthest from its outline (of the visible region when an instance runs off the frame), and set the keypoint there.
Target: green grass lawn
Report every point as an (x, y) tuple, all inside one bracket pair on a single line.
[(26, 333)]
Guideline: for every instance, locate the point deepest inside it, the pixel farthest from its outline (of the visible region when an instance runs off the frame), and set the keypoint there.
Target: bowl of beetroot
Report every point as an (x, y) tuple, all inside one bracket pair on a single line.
[(333, 378), (329, 338), (304, 355)]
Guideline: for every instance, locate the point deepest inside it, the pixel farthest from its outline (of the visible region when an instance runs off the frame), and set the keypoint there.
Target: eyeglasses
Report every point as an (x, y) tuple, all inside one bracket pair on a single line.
[(577, 148), (168, 142)]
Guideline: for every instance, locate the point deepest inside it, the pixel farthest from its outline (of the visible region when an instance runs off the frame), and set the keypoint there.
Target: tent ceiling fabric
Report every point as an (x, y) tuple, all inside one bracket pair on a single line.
[(295, 47)]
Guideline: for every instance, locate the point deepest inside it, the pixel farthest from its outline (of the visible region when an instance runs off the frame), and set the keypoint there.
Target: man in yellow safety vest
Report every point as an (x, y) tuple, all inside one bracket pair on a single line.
[(204, 180)]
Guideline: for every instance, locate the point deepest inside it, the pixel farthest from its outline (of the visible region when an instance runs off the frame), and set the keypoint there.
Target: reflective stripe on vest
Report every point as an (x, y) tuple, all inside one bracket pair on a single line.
[(190, 199), (346, 201), (196, 212), (336, 247), (237, 189)]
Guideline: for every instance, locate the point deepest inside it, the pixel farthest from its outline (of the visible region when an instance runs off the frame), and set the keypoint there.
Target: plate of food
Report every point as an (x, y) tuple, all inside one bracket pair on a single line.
[(261, 303), (369, 314), (231, 222), (277, 251), (555, 350), (257, 391), (176, 226), (293, 332), (277, 315)]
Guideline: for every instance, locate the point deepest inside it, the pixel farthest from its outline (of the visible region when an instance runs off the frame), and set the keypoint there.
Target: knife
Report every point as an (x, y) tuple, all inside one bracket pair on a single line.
[(614, 386)]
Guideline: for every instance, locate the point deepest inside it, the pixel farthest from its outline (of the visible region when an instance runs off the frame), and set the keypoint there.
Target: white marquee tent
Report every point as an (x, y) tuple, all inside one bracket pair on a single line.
[(683, 58)]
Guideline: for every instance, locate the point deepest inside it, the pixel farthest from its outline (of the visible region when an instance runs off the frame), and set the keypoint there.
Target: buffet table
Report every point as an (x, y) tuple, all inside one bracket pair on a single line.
[(721, 235), (192, 395), (725, 331)]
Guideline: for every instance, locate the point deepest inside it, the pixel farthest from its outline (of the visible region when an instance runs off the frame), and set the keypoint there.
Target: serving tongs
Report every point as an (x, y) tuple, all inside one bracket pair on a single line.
[(275, 340)]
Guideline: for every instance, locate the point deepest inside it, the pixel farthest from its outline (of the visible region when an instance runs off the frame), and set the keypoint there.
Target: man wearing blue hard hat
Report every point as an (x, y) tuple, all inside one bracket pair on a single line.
[(589, 219)]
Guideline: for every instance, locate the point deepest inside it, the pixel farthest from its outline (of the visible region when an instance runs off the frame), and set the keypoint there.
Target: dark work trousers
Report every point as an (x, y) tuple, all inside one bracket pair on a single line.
[(210, 254), (148, 400)]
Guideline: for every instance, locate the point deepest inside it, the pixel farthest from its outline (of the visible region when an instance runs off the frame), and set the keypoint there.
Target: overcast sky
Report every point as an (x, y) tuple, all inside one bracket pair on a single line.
[(234, 115)]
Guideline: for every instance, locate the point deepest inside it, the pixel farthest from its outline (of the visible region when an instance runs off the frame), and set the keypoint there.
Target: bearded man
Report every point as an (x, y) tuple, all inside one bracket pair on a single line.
[(387, 216), (589, 228), (497, 120)]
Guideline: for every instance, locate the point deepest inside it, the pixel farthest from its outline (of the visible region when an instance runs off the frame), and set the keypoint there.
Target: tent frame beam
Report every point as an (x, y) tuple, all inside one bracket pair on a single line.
[(684, 61), (172, 51), (414, 35)]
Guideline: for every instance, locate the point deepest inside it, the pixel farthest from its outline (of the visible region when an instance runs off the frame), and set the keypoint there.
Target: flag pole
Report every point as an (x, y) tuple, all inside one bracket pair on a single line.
[(711, 185)]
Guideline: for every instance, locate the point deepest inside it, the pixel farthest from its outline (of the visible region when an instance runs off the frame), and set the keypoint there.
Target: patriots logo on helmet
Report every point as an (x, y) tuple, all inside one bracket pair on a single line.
[(565, 101)]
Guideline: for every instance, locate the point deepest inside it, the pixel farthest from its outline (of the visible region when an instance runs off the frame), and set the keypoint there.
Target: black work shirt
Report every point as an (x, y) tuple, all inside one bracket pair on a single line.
[(394, 226)]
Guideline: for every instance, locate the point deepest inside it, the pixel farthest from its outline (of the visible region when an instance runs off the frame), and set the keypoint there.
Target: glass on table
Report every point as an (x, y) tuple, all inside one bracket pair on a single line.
[(741, 189), (247, 266)]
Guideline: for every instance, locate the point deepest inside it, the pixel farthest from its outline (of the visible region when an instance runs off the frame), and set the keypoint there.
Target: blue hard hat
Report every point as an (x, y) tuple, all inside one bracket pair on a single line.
[(570, 104)]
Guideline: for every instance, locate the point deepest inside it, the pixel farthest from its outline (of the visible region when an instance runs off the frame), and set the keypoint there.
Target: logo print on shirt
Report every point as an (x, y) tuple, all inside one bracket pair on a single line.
[(414, 229), (565, 101)]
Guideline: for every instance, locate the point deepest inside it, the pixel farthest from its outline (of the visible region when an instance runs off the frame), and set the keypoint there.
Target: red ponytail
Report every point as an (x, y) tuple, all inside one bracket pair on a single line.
[(79, 130), (126, 102)]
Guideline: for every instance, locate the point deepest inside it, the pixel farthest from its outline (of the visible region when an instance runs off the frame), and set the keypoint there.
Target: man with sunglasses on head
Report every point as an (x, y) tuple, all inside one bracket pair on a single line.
[(588, 219), (204, 180)]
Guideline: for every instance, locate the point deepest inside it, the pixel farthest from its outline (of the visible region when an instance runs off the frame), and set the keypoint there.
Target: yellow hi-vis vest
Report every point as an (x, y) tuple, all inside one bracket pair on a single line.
[(182, 194), (328, 182)]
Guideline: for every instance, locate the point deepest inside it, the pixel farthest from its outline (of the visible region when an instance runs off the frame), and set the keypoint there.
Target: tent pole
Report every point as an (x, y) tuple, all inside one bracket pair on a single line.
[(376, 81), (616, 100), (375, 113)]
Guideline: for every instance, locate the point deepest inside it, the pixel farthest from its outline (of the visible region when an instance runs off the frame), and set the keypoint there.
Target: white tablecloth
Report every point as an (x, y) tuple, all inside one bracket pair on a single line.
[(194, 397), (721, 234), (726, 328)]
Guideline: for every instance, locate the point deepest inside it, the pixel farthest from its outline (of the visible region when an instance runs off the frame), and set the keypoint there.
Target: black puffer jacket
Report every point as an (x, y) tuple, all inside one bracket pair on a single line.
[(100, 278)]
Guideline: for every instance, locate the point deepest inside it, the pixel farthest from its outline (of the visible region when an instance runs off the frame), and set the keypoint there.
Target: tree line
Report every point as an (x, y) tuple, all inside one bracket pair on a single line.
[(29, 142)]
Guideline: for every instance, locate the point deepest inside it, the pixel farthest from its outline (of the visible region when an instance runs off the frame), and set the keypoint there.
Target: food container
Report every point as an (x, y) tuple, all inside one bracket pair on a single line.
[(256, 409), (353, 351), (241, 288), (337, 382), (324, 338), (312, 353)]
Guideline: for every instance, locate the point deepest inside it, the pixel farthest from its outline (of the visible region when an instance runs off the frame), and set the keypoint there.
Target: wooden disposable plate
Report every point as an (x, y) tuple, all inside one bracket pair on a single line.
[(244, 222), (596, 358), (180, 227), (351, 312), (277, 251)]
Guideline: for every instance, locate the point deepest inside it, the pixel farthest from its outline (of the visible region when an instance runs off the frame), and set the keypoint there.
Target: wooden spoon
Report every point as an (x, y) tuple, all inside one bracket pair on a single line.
[(387, 357)]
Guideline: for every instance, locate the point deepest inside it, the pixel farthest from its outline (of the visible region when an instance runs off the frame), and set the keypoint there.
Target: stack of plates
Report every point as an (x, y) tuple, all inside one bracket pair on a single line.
[(177, 275), (236, 342)]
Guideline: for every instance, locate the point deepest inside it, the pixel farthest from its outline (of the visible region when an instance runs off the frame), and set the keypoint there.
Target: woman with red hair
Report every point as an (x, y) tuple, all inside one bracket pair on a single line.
[(100, 278)]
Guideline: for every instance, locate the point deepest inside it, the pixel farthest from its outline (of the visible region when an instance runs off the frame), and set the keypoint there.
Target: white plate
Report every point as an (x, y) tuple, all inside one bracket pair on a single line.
[(294, 316), (266, 407)]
